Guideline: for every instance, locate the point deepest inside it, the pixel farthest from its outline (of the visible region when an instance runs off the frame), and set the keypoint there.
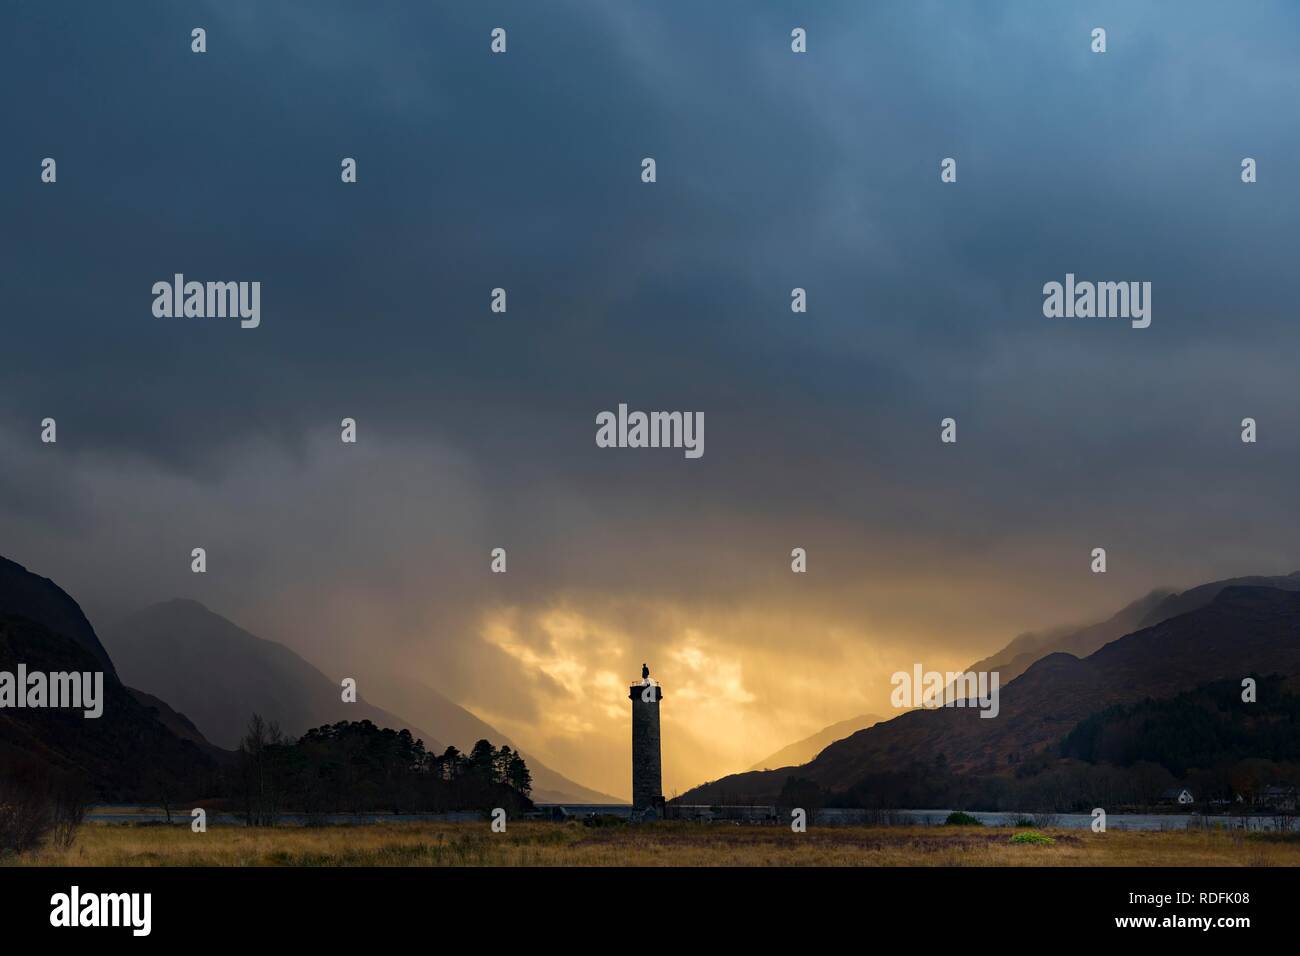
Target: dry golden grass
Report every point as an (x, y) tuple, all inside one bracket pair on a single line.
[(662, 844)]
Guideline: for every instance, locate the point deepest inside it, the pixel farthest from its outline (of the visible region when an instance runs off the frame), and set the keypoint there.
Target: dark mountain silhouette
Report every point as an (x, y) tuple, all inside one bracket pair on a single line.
[(460, 728), (180, 725), (1197, 597), (39, 599), (801, 751), (1160, 605), (128, 753), (1241, 631), (1016, 658), (220, 675)]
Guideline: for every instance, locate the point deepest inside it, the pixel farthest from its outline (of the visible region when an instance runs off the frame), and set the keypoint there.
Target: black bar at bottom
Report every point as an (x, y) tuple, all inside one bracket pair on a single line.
[(666, 906)]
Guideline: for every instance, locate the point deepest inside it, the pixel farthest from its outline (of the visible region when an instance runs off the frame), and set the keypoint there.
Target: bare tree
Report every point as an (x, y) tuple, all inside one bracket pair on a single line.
[(261, 765)]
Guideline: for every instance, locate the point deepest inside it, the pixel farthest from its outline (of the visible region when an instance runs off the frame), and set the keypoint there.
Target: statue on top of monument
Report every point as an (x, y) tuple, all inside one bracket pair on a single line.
[(645, 672)]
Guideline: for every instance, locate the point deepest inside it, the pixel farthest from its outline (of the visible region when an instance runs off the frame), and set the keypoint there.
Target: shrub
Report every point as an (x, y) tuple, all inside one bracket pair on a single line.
[(38, 802), (69, 800), (1033, 837), (603, 820), (959, 819), (23, 823)]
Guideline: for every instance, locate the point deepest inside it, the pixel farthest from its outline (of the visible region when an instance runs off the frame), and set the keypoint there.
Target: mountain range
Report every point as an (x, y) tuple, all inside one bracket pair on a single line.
[(1159, 605), (1020, 653), (180, 683), (1226, 630), (219, 674), (195, 679)]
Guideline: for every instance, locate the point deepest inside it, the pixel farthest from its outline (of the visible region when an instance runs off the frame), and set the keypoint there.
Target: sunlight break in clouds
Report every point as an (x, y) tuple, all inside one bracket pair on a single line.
[(734, 690)]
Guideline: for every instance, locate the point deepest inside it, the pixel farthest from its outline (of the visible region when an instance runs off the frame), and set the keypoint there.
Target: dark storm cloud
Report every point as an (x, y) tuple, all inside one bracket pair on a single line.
[(521, 171)]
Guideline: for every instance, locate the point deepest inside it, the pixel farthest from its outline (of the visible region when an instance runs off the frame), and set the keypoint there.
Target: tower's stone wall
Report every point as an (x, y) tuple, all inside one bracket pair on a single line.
[(647, 772)]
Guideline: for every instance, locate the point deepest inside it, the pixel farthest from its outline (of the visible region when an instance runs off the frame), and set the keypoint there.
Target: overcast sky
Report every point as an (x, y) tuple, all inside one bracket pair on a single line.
[(476, 430)]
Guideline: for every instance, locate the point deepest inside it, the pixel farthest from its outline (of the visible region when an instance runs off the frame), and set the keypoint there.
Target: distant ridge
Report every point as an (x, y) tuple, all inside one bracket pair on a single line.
[(801, 751), (1017, 657), (219, 675), (1159, 605)]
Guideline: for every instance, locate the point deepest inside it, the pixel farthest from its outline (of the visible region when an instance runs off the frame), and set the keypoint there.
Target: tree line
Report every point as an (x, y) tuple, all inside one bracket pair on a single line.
[(1206, 727), (358, 767)]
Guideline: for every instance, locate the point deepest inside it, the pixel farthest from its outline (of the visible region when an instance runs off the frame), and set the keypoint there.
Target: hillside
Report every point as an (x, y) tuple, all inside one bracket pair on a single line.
[(219, 675), (1159, 605), (1017, 657), (130, 752), (1242, 631), (39, 599), (1208, 727), (801, 751)]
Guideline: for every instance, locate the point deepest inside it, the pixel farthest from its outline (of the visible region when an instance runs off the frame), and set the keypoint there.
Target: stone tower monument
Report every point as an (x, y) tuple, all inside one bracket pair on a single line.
[(647, 775)]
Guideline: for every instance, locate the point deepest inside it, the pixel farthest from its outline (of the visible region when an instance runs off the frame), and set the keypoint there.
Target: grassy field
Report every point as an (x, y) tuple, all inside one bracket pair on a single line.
[(661, 844)]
